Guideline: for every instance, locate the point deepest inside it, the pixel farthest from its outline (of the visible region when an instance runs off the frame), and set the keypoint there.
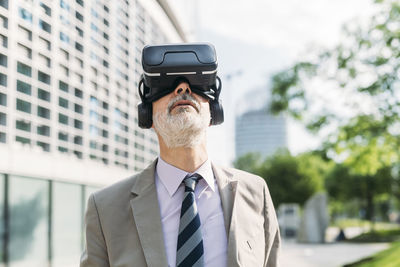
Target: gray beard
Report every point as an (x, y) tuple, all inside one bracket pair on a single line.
[(183, 129)]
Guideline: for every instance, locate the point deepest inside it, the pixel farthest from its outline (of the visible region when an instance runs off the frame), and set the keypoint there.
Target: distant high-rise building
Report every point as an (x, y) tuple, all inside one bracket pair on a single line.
[(259, 131), (69, 72)]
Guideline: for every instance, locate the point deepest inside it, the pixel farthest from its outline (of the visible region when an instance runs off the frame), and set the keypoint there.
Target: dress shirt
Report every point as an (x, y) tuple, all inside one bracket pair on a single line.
[(170, 191)]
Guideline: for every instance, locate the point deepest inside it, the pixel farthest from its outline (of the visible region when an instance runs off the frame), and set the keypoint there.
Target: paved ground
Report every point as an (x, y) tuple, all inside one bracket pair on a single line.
[(325, 255)]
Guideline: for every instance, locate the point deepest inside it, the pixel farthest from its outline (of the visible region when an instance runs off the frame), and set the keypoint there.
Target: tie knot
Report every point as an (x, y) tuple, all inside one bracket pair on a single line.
[(190, 181)]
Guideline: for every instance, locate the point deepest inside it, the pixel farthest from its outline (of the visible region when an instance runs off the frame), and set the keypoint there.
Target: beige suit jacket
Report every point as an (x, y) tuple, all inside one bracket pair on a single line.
[(123, 224)]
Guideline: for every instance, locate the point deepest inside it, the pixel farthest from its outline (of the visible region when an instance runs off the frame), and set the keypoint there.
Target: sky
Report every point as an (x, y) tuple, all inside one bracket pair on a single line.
[(255, 39)]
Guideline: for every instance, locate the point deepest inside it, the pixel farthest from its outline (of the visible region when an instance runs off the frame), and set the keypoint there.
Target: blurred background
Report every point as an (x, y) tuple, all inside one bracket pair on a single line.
[(311, 94)]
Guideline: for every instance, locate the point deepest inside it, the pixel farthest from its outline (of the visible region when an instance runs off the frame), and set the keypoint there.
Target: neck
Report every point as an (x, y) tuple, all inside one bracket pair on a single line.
[(188, 159)]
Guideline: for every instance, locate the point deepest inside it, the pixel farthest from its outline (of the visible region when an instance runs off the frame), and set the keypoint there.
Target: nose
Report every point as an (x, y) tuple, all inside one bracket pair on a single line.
[(182, 88)]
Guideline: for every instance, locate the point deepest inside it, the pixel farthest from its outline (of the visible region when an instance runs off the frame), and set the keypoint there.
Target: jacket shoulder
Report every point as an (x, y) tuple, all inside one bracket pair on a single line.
[(244, 176), (115, 191)]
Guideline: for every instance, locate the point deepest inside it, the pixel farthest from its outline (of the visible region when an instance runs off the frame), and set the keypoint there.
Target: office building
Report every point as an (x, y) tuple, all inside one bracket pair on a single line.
[(69, 71), (260, 131)]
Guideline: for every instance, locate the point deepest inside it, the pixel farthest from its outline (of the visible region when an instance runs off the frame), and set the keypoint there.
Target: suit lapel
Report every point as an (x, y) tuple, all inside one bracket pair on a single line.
[(146, 213), (227, 189)]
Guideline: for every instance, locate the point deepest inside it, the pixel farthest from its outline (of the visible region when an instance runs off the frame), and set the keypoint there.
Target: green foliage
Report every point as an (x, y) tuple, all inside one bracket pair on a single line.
[(290, 179), (387, 258), (351, 95), (249, 162), (388, 235), (364, 85), (343, 185)]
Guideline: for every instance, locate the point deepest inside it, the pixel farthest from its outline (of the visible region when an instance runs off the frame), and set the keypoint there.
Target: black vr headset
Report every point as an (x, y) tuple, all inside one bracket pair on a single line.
[(165, 66)]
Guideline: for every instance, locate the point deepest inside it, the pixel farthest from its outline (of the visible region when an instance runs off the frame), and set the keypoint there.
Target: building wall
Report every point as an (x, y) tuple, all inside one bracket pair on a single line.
[(260, 131), (69, 71)]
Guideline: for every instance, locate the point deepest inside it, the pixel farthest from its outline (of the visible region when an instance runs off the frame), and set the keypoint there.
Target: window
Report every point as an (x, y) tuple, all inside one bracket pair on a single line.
[(3, 99), (43, 112), (44, 43), (45, 61), (24, 87), (105, 35), (65, 54), (78, 16), (94, 102), (64, 70), (43, 77), (4, 40), (63, 136), (62, 102), (63, 149), (43, 94), (4, 21), (43, 130), (64, 38), (66, 223), (78, 124), (79, 62), (23, 125), (63, 86), (78, 93), (64, 5), (44, 26), (3, 79), (65, 20), (4, 3), (3, 119), (24, 14), (44, 146), (78, 108), (22, 140), (79, 77), (29, 209), (23, 106), (24, 69), (80, 2), (23, 50), (62, 118), (2, 135), (3, 60), (25, 33), (46, 9), (78, 140), (79, 31), (78, 154), (78, 46), (93, 144)]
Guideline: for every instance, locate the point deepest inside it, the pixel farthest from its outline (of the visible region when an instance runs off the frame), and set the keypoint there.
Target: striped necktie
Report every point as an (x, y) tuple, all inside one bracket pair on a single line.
[(190, 242)]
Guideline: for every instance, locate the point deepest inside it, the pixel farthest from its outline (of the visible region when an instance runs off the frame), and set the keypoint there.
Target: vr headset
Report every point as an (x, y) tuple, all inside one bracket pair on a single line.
[(165, 66)]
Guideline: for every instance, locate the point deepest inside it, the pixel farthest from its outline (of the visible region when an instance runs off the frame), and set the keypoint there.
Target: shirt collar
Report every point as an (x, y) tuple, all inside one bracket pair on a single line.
[(172, 177)]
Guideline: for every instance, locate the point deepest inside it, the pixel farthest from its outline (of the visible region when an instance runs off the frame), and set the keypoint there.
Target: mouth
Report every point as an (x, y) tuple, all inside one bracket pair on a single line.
[(184, 103)]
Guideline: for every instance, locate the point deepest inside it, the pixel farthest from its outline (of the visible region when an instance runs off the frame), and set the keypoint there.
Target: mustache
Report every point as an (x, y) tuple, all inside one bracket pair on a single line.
[(186, 97)]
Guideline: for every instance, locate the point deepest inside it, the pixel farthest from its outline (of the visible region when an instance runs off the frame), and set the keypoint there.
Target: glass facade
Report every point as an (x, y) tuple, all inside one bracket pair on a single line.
[(29, 226), (41, 222), (67, 210)]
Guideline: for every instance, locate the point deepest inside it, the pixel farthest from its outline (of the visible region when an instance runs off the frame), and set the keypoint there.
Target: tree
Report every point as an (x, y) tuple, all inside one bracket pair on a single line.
[(343, 185), (290, 179), (351, 95)]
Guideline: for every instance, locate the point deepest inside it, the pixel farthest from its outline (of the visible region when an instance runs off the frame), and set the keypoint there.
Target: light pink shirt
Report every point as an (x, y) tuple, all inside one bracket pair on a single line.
[(170, 192)]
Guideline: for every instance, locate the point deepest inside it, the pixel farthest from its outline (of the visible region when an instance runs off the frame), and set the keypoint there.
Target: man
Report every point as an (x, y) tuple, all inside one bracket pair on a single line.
[(182, 210)]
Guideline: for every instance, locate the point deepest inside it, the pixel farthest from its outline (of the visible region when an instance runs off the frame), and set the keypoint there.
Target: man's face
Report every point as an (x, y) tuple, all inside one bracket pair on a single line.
[(181, 117), (180, 100)]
